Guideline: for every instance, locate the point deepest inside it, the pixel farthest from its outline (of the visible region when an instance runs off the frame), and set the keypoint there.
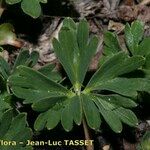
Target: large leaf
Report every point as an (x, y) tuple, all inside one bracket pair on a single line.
[(117, 65), (33, 86)]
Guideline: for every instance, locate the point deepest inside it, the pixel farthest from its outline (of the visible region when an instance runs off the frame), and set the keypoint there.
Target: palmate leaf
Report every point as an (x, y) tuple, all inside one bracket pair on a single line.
[(109, 91), (15, 128), (74, 49)]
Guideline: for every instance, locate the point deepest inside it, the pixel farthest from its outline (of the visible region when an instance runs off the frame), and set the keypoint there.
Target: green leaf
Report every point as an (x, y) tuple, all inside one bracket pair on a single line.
[(14, 129), (106, 104), (76, 108), (4, 68), (67, 118), (144, 143), (118, 100), (33, 86), (50, 72), (26, 59), (69, 23), (147, 62), (117, 65), (127, 116), (45, 104), (126, 86), (144, 47), (5, 122), (4, 97), (64, 49), (31, 7), (53, 118), (11, 2), (48, 119), (133, 35), (82, 35), (40, 122), (111, 42), (91, 113), (86, 56), (74, 49), (111, 118), (43, 1)]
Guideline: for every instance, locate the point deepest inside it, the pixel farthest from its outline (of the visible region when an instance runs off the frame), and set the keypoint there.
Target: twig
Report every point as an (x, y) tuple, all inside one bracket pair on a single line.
[(87, 136)]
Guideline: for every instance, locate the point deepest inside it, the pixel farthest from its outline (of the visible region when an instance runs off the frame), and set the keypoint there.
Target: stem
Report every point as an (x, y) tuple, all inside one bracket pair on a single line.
[(87, 135)]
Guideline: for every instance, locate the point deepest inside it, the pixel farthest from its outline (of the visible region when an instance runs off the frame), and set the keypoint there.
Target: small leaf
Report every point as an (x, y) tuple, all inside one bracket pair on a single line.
[(69, 23), (82, 35), (91, 113), (144, 47), (43, 1), (40, 122), (86, 56), (67, 118), (53, 118), (45, 104), (112, 43), (4, 68), (119, 100), (133, 35), (50, 72), (31, 7), (11, 2), (76, 108), (5, 122), (127, 116), (111, 118)]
